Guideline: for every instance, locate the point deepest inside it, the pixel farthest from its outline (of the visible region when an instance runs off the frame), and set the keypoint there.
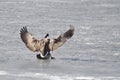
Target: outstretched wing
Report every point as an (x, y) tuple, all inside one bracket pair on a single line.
[(61, 39), (28, 39)]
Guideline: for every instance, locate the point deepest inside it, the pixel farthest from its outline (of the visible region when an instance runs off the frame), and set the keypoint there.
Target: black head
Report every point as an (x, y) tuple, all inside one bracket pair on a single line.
[(48, 57), (46, 35), (38, 56)]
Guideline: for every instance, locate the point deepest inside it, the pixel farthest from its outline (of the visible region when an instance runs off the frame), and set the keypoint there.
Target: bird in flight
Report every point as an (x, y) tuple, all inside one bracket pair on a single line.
[(45, 45)]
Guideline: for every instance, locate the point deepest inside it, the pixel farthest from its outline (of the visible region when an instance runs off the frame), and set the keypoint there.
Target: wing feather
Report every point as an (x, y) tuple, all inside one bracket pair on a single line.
[(28, 39), (61, 39)]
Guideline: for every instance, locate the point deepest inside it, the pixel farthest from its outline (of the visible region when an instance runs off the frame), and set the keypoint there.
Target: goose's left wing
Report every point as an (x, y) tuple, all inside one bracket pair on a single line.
[(61, 39)]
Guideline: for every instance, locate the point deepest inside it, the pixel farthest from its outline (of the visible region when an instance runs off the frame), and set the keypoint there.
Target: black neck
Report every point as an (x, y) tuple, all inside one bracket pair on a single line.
[(46, 35)]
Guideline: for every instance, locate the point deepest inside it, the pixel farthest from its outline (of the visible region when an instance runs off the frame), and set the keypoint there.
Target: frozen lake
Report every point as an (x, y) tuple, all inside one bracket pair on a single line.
[(93, 53)]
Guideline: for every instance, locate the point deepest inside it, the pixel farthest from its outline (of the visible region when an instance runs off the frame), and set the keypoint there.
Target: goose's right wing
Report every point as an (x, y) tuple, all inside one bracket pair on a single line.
[(61, 39), (28, 39)]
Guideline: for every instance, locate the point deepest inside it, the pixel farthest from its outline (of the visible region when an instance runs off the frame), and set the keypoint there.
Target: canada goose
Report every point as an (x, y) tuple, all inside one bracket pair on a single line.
[(45, 45)]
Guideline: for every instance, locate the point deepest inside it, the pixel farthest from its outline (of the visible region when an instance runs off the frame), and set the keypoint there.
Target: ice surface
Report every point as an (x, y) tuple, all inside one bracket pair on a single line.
[(93, 53)]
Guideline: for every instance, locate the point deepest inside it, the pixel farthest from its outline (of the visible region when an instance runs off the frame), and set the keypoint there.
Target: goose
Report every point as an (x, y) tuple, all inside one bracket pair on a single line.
[(45, 45)]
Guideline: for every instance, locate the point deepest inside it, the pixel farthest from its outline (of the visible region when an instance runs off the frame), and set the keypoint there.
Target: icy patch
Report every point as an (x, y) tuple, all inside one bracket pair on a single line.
[(39, 75), (96, 78), (116, 54), (3, 73), (54, 77), (85, 27), (85, 78), (107, 5), (89, 43), (12, 2)]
